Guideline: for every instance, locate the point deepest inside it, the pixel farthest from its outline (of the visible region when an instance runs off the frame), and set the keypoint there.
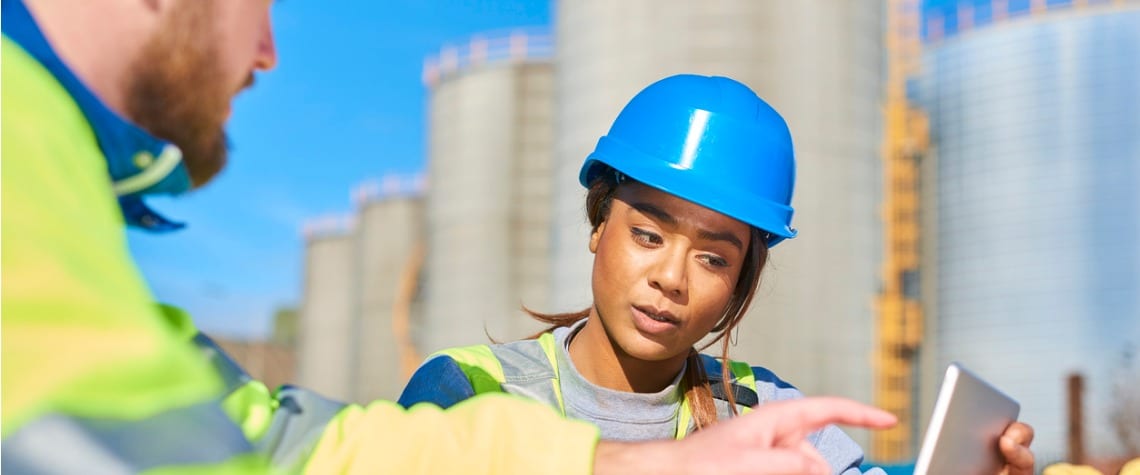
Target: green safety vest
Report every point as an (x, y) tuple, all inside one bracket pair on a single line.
[(490, 367)]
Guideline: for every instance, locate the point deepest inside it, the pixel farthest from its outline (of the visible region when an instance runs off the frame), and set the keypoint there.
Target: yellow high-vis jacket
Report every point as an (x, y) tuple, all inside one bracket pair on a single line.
[(98, 378)]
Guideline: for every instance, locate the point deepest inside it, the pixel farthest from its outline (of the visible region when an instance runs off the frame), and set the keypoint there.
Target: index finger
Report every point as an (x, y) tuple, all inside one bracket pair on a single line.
[(793, 420)]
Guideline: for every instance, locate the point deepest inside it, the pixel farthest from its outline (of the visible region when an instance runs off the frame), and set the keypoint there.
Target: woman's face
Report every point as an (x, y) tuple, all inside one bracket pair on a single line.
[(664, 271)]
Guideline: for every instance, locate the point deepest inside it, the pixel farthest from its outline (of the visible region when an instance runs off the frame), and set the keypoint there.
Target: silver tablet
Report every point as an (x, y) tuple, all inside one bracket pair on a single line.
[(969, 417)]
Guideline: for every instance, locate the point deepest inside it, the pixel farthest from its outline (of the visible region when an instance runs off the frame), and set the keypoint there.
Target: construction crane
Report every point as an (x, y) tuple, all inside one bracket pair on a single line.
[(898, 307)]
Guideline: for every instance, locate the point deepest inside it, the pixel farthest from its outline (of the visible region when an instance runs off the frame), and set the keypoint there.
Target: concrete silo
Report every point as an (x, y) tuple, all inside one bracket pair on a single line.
[(488, 170), (389, 246), (1035, 191), (819, 63), (327, 321)]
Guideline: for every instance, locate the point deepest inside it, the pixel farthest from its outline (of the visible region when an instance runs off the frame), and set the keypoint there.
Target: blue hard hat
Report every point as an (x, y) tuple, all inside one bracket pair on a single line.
[(711, 141)]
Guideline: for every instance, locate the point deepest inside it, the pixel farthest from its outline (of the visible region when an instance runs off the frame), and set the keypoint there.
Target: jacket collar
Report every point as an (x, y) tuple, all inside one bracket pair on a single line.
[(138, 163)]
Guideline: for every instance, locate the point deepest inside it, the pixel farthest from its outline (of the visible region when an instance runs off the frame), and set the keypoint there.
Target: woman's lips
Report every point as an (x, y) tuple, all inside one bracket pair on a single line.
[(653, 321)]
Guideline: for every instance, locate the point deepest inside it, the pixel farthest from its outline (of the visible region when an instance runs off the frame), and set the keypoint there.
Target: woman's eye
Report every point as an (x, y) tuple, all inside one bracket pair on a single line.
[(715, 261), (645, 237)]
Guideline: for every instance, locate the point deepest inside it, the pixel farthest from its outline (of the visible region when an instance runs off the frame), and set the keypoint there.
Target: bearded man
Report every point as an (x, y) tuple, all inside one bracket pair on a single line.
[(108, 101)]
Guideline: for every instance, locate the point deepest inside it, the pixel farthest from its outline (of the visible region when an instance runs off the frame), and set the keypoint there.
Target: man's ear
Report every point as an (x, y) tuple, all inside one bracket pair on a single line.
[(596, 236)]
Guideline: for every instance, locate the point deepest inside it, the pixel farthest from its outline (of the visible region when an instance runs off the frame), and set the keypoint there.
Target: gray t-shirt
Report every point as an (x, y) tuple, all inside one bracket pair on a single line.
[(620, 415)]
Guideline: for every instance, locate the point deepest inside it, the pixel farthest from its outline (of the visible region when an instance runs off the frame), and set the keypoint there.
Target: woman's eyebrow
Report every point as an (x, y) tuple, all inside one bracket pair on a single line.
[(721, 236), (656, 212), (663, 216)]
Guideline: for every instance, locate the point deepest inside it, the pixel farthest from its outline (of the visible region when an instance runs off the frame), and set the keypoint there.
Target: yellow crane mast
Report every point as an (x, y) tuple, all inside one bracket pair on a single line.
[(899, 324)]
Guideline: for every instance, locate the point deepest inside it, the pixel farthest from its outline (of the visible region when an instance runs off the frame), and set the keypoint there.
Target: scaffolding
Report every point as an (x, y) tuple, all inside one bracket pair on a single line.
[(899, 310)]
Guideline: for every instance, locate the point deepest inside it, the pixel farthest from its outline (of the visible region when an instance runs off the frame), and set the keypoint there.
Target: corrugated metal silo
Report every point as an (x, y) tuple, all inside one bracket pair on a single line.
[(327, 321), (489, 167), (1037, 201), (817, 62)]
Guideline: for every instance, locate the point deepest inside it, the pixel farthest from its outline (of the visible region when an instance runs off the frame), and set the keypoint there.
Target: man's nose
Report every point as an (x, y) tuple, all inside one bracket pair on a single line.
[(266, 58)]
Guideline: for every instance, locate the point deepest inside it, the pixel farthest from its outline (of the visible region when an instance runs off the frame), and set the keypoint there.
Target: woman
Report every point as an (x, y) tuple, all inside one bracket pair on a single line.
[(687, 193)]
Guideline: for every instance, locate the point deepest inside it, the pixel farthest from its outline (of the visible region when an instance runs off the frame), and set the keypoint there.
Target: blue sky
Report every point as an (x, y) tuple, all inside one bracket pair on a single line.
[(344, 105)]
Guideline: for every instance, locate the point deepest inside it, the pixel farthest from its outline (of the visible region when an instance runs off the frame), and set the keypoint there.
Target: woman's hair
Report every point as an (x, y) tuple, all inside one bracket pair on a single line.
[(695, 383)]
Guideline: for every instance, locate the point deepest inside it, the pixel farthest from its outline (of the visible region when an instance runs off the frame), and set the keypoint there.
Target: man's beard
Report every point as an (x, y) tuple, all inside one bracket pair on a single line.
[(177, 88)]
